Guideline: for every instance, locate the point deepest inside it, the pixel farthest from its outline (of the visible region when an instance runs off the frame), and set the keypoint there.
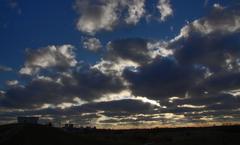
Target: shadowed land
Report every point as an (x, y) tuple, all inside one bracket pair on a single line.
[(19, 134)]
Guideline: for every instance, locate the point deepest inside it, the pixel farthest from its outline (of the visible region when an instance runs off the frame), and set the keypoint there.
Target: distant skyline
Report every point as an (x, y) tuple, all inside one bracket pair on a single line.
[(120, 63)]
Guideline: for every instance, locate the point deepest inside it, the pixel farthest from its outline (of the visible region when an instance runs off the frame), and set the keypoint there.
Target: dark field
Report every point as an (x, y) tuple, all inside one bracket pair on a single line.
[(17, 134)]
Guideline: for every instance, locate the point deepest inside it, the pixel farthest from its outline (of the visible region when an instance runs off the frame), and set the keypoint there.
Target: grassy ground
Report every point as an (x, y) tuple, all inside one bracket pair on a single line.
[(17, 134)]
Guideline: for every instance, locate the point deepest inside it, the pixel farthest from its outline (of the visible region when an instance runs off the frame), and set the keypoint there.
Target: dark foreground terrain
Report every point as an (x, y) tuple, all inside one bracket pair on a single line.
[(17, 134)]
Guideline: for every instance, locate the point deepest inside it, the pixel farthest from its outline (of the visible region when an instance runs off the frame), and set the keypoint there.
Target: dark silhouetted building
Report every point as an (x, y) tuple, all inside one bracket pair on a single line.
[(68, 126)]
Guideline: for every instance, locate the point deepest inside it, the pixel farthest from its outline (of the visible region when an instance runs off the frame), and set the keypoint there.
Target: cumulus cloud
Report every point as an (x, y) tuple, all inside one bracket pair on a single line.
[(157, 79), (221, 20), (218, 83), (92, 84), (165, 9), (203, 63), (86, 84), (125, 105), (211, 43), (12, 82), (134, 49), (96, 16), (136, 11), (107, 14), (138, 50), (92, 112), (92, 44), (131, 53), (59, 57)]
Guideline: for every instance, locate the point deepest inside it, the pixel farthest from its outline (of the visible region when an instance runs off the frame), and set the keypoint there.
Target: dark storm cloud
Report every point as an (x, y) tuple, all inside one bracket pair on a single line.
[(212, 50), (92, 84), (129, 106), (162, 78), (204, 67), (217, 83), (134, 49), (125, 107), (215, 102), (211, 41), (33, 94), (206, 56), (87, 84)]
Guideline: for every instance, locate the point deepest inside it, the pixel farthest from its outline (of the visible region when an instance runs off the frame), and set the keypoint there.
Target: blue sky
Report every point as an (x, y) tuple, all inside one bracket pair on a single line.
[(29, 28)]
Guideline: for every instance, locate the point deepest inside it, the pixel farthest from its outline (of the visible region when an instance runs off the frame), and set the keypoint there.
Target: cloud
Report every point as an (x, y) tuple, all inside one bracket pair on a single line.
[(138, 50), (2, 93), (165, 9), (34, 94), (12, 82), (203, 60), (210, 47), (136, 11), (204, 104), (5, 68), (211, 43), (95, 17), (130, 53), (134, 49), (107, 14), (125, 105), (221, 20), (92, 83), (92, 44), (221, 82), (84, 83), (109, 107), (156, 80), (58, 57), (91, 112)]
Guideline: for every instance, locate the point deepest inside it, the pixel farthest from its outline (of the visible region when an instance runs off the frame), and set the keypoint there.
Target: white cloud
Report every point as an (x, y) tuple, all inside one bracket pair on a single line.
[(165, 9), (12, 82), (95, 17), (135, 11), (110, 67), (218, 6), (92, 44), (2, 93), (126, 94), (220, 20), (60, 57), (159, 49), (107, 14)]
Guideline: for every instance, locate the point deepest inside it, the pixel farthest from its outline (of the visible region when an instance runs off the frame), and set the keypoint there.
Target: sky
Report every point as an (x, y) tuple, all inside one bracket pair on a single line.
[(120, 63)]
